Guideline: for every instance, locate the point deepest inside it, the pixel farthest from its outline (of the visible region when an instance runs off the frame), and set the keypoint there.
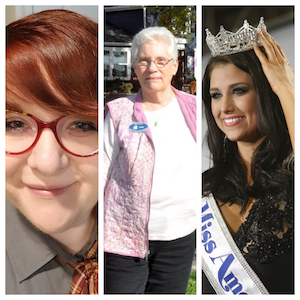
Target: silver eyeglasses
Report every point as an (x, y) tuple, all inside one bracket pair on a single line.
[(159, 62)]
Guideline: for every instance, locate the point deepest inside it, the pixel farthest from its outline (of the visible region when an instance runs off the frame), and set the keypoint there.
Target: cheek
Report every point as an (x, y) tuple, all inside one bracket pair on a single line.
[(89, 175), (139, 74), (215, 110), (13, 165), (249, 107), (13, 184)]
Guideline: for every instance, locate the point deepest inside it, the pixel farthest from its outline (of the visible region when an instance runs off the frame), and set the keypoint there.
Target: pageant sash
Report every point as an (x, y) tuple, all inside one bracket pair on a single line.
[(222, 262)]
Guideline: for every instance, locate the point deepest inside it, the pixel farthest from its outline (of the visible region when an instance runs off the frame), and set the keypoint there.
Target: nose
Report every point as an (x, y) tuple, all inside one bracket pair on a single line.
[(47, 156), (227, 104), (152, 66)]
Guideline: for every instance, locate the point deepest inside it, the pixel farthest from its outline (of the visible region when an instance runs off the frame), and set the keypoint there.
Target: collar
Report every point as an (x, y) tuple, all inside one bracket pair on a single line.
[(26, 246), (30, 249), (79, 256)]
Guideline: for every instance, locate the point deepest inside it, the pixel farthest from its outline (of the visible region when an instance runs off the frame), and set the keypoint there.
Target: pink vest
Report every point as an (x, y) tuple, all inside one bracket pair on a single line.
[(127, 193)]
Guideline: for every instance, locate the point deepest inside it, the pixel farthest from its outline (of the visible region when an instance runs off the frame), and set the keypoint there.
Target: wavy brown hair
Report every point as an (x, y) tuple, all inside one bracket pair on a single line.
[(52, 60)]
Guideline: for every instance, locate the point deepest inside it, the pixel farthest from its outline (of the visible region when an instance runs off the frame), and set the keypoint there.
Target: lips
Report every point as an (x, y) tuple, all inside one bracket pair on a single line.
[(48, 192), (232, 121), (152, 78)]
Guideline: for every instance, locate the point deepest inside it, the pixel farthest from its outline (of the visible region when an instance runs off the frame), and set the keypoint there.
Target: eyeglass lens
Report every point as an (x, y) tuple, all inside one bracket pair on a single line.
[(159, 62), (78, 136)]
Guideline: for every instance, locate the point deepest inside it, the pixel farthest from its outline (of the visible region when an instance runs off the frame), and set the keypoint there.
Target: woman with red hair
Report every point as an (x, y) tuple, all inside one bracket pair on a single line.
[(51, 154)]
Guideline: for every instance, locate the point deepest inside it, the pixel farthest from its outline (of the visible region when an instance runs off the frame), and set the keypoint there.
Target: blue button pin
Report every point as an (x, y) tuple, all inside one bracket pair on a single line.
[(138, 127)]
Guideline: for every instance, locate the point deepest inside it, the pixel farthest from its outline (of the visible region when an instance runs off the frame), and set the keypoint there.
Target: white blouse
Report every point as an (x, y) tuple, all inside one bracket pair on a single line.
[(174, 190)]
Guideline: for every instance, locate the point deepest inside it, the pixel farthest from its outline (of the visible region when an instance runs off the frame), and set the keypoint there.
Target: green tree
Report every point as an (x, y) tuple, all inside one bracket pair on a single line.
[(180, 20)]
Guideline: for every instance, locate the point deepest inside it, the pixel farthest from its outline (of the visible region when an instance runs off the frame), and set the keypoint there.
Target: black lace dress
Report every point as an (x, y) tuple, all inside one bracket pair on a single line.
[(266, 241)]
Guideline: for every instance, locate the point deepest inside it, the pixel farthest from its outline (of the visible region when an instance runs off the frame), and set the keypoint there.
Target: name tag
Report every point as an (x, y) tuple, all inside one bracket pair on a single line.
[(138, 127)]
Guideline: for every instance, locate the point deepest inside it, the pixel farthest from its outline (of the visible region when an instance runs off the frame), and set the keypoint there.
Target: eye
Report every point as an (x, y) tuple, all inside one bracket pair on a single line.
[(14, 125), (83, 126), (215, 96), (143, 62), (74, 126), (19, 124), (240, 91)]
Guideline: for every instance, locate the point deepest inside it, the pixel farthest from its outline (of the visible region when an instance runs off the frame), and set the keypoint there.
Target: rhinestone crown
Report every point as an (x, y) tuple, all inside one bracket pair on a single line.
[(226, 42)]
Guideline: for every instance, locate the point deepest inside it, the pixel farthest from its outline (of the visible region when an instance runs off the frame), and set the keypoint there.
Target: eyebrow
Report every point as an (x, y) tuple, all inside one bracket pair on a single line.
[(233, 85)]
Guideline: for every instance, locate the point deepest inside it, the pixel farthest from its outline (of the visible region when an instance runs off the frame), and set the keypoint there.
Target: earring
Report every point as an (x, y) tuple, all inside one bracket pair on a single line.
[(225, 147)]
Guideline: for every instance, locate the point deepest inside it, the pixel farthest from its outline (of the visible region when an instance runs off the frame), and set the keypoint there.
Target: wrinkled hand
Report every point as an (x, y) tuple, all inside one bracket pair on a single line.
[(275, 65)]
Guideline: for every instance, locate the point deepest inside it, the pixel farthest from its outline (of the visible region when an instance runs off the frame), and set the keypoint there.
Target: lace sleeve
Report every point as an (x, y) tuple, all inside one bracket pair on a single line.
[(268, 230)]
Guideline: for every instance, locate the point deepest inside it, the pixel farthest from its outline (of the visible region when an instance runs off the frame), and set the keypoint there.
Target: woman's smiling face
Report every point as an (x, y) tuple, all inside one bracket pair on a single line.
[(56, 191), (233, 103)]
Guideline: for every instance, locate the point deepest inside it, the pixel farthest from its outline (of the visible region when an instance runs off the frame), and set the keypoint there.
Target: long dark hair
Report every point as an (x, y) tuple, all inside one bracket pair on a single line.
[(227, 179)]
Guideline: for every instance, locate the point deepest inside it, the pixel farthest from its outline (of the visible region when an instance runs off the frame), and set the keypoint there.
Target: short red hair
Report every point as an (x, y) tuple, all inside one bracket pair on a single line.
[(52, 60)]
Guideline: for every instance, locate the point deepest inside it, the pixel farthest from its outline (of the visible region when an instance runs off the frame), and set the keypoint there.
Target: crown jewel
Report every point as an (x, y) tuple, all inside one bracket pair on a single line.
[(226, 42)]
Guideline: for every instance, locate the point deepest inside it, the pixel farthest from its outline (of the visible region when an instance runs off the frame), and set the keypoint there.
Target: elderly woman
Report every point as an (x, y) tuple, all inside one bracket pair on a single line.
[(150, 176), (51, 154)]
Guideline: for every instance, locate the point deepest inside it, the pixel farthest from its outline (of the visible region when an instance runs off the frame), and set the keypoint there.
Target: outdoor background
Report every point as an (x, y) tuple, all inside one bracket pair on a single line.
[(122, 23)]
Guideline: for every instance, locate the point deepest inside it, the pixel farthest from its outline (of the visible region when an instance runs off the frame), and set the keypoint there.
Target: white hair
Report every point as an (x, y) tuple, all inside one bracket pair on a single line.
[(161, 34)]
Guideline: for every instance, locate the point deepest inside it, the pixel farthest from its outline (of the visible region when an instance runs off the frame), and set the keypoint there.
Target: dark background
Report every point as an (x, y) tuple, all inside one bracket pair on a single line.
[(232, 18)]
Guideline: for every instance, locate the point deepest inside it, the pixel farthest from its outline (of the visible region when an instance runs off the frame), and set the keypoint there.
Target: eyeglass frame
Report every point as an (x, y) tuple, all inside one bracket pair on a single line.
[(41, 125), (149, 61)]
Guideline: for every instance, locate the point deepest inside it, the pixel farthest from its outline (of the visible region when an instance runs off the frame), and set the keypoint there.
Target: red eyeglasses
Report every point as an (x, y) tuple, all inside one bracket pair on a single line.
[(77, 136)]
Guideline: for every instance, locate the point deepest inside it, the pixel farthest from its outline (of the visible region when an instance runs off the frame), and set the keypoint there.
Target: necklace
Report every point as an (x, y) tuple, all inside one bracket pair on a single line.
[(156, 119), (153, 112)]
